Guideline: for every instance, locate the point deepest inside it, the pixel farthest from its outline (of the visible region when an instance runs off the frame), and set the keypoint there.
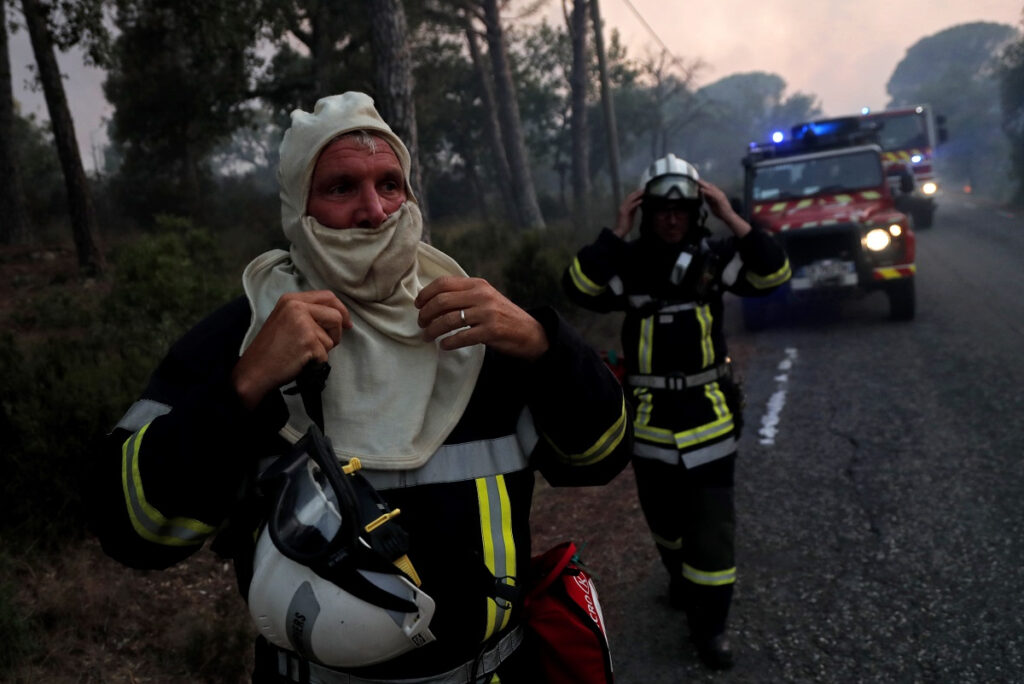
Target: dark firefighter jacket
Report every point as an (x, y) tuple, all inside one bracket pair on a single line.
[(673, 332), (169, 476)]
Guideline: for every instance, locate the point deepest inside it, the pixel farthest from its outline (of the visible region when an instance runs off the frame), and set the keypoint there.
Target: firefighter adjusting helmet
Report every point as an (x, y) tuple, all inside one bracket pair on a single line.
[(671, 178), (331, 579)]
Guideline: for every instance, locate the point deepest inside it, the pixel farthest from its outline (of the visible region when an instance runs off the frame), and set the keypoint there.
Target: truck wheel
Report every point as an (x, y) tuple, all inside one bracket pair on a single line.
[(901, 299), (755, 313)]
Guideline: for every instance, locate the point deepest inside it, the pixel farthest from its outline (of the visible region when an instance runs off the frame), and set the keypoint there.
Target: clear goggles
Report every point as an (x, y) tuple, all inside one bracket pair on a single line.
[(673, 187), (329, 518)]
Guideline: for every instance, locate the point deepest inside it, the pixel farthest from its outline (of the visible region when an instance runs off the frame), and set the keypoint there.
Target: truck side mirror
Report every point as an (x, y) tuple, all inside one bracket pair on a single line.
[(940, 123)]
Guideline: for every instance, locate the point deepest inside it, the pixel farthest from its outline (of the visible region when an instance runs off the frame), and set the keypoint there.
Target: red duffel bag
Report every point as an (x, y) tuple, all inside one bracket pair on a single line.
[(564, 615)]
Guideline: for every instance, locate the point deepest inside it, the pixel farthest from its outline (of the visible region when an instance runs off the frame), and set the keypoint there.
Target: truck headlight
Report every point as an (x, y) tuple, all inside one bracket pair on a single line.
[(877, 239), (929, 188)]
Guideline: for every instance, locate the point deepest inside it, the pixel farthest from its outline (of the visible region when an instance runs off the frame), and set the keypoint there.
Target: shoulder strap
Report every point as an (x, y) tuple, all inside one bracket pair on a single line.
[(309, 384)]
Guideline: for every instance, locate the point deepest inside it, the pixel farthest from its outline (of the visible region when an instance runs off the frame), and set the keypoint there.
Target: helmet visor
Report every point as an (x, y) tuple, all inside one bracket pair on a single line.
[(307, 519), (673, 187)]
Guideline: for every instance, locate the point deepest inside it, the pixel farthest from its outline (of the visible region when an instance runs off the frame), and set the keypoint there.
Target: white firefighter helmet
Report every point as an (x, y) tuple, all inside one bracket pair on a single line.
[(296, 609), (330, 578), (671, 178)]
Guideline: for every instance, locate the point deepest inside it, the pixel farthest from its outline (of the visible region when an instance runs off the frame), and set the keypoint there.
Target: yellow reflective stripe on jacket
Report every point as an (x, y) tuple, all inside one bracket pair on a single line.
[(149, 523), (722, 425), (670, 544), (646, 341), (707, 347), (644, 406), (498, 545), (709, 579), (687, 438), (582, 282), (771, 280), (604, 445)]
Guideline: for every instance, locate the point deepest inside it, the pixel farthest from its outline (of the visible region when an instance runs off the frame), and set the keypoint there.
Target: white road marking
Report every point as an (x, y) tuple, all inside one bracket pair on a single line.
[(770, 418)]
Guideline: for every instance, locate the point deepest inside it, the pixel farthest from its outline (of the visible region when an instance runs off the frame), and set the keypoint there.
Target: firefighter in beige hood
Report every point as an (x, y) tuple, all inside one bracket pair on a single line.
[(401, 325)]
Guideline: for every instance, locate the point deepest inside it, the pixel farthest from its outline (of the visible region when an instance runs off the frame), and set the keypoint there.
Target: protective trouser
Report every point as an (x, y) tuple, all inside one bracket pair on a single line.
[(691, 514)]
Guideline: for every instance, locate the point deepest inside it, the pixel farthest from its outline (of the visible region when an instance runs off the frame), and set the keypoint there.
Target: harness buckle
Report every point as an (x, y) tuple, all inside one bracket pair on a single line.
[(675, 381)]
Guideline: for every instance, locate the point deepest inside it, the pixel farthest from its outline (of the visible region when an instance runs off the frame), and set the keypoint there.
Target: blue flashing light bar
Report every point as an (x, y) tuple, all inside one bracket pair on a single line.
[(778, 136)]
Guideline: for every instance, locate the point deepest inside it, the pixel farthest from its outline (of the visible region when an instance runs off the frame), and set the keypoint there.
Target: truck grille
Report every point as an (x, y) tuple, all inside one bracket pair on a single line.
[(808, 245)]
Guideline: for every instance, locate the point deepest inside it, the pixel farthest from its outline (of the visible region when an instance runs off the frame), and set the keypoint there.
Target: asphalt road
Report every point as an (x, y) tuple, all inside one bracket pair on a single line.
[(880, 488)]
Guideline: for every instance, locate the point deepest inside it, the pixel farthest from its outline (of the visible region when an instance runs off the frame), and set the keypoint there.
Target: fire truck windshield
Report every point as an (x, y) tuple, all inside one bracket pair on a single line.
[(817, 175), (902, 131)]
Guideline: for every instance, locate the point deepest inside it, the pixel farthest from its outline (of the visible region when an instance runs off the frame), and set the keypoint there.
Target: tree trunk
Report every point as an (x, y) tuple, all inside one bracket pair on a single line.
[(14, 228), (493, 128), (508, 117), (394, 84), (611, 132), (476, 187), (83, 216), (320, 49), (580, 138)]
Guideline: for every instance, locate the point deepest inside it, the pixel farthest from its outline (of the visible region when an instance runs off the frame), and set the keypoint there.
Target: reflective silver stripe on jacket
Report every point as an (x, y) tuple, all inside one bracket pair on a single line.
[(147, 521), (732, 270), (692, 459), (466, 461), (480, 670), (141, 412), (639, 301), (678, 382)]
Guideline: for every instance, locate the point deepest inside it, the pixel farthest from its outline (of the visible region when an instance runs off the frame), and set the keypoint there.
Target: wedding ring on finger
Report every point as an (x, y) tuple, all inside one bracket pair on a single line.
[(462, 315)]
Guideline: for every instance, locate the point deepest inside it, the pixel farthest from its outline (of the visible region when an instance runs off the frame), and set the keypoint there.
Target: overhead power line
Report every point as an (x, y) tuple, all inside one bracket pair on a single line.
[(649, 29)]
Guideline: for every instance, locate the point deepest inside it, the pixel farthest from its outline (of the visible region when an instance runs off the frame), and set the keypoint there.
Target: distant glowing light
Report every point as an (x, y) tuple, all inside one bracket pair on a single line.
[(865, 110), (929, 188), (916, 158), (777, 137), (919, 110)]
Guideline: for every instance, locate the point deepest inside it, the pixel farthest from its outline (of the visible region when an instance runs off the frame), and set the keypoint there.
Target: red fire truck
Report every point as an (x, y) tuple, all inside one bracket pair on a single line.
[(826, 196), (909, 137)]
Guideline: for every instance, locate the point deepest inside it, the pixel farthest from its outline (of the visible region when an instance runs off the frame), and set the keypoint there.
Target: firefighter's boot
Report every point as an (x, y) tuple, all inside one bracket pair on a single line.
[(707, 610)]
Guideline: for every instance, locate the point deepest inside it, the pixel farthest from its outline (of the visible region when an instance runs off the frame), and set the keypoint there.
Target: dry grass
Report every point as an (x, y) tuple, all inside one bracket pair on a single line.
[(93, 620)]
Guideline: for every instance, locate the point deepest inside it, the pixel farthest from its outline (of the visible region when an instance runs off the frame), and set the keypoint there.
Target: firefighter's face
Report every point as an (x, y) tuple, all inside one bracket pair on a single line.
[(670, 221), (354, 186)]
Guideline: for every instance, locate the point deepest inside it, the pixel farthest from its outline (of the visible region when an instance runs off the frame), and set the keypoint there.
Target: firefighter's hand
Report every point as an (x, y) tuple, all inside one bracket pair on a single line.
[(302, 327), (719, 205), (627, 212), (480, 315)]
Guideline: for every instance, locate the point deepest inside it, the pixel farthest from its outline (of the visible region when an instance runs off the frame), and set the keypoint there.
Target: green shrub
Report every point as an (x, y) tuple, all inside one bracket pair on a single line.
[(532, 272), (62, 392)]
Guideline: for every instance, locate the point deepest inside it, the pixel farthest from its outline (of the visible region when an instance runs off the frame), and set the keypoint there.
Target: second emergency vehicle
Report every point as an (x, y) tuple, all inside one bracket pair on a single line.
[(909, 138)]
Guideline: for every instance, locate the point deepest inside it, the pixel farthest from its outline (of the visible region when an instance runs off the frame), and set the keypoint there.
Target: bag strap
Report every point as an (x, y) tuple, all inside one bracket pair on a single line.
[(562, 554), (309, 384)]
